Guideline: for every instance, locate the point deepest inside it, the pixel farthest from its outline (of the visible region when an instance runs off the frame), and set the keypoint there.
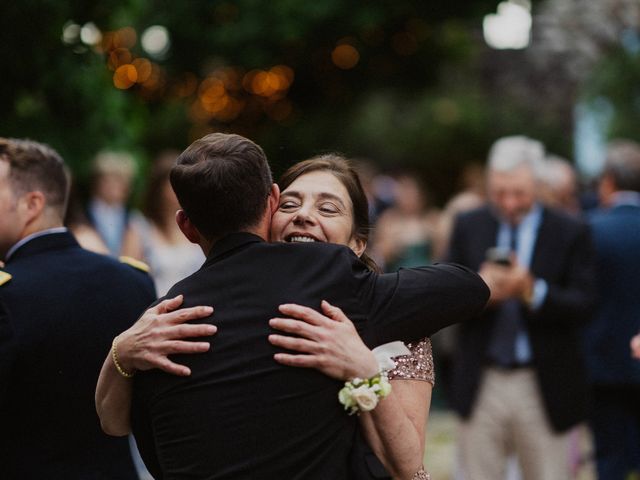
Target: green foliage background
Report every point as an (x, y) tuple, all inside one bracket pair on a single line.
[(432, 110)]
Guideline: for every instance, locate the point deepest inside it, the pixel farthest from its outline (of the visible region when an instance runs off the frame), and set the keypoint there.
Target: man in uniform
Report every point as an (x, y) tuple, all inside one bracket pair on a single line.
[(61, 307)]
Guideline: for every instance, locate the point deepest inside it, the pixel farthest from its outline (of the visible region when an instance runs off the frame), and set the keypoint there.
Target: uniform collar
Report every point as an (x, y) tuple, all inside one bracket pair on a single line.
[(230, 243), (44, 240)]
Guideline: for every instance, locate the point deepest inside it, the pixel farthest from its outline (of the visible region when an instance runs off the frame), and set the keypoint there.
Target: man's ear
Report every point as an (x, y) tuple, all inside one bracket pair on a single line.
[(32, 204), (187, 228), (274, 198)]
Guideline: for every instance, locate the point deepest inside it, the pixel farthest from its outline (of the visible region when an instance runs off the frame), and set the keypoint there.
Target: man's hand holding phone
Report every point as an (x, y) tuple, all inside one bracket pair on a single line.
[(505, 277)]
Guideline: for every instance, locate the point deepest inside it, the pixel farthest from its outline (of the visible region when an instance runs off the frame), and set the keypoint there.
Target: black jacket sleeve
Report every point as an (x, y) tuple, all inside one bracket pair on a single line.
[(417, 302)]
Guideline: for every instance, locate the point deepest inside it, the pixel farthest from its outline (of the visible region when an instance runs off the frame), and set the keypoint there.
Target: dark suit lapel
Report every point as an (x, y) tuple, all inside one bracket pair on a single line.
[(544, 240), (485, 236)]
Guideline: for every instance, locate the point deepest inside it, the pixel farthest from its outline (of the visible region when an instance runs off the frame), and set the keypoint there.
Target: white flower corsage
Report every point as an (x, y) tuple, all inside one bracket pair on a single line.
[(363, 395)]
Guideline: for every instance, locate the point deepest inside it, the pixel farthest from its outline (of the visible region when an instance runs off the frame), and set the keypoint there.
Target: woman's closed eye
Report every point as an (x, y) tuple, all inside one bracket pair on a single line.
[(328, 208), (288, 205)]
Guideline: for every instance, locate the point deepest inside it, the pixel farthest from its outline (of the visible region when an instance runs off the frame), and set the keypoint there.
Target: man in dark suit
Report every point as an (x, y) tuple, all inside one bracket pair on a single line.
[(614, 375), (519, 381), (240, 414), (62, 306)]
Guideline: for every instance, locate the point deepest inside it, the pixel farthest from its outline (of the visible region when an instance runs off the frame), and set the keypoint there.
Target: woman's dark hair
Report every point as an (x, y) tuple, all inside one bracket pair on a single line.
[(346, 174)]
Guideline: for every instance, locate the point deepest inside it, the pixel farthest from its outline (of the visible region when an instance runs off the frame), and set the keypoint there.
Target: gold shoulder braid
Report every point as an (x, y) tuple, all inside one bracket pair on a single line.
[(4, 277), (135, 263)]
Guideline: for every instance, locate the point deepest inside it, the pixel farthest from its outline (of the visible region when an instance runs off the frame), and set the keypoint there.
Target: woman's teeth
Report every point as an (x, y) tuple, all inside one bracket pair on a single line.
[(302, 239)]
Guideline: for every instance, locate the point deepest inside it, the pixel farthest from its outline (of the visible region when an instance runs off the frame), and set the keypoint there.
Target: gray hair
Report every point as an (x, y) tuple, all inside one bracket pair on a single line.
[(509, 153), (557, 170), (623, 164)]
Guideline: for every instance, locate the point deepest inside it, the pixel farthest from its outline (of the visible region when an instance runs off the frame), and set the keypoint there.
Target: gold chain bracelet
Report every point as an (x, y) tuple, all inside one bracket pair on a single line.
[(114, 357)]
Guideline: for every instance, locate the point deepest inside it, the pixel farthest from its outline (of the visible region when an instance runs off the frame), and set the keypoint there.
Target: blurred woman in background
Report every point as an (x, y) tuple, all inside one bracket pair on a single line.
[(160, 243)]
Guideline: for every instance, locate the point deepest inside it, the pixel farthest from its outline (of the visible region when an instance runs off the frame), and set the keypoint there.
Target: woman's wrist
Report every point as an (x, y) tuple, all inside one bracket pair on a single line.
[(365, 366), (363, 394), (121, 362)]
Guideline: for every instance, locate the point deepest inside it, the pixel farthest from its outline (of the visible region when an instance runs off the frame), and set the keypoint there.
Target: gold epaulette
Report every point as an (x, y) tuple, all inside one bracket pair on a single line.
[(4, 277), (135, 263)]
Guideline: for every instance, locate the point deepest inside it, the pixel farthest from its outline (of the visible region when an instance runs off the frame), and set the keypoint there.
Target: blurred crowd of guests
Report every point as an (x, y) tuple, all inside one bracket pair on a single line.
[(552, 350), (107, 224)]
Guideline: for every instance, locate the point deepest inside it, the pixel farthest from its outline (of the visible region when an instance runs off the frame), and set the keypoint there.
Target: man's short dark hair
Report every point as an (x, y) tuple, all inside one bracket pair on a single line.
[(222, 183), (623, 164), (36, 166)]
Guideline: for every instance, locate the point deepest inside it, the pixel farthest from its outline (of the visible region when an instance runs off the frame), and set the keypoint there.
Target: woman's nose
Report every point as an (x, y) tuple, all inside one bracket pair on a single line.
[(303, 217)]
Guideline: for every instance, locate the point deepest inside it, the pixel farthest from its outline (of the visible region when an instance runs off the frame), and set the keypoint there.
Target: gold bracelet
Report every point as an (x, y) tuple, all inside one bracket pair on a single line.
[(114, 357)]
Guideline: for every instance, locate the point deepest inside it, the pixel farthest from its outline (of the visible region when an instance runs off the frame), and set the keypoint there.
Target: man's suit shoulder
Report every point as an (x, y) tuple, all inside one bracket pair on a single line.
[(614, 215), (77, 263), (277, 257), (563, 217), (312, 253), (478, 214), (561, 223), (118, 270), (125, 266)]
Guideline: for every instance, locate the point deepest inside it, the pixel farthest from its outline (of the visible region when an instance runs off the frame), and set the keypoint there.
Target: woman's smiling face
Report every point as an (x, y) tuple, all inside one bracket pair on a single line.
[(315, 207)]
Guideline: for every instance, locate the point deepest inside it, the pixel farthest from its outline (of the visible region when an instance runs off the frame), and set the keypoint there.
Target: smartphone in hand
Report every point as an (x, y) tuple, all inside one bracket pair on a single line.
[(499, 255)]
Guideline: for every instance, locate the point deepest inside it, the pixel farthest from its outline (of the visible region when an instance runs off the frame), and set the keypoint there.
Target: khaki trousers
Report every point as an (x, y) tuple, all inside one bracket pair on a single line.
[(509, 417)]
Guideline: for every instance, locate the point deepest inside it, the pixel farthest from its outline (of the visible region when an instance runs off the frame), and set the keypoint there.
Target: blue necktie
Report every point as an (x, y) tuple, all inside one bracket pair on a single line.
[(509, 322)]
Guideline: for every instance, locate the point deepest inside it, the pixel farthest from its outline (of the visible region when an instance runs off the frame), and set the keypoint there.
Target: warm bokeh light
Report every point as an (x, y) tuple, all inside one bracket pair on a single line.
[(143, 68), (118, 57), (285, 74), (345, 56), (125, 76), (265, 83), (156, 79), (231, 110), (211, 89), (247, 80), (122, 38), (197, 112), (274, 82), (217, 104), (126, 37), (217, 96), (510, 27)]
